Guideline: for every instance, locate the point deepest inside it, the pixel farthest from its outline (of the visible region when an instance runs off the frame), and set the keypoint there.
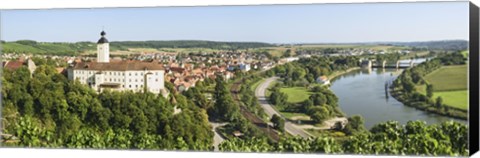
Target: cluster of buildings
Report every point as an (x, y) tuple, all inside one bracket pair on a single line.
[(150, 71), (147, 71), (16, 64), (184, 76)]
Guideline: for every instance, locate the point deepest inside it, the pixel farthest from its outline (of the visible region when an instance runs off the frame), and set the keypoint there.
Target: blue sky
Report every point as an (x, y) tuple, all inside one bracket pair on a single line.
[(337, 23)]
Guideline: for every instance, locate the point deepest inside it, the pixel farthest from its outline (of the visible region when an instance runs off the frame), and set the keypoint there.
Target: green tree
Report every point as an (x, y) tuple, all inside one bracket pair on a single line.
[(224, 107), (429, 90), (278, 122), (355, 124), (439, 102)]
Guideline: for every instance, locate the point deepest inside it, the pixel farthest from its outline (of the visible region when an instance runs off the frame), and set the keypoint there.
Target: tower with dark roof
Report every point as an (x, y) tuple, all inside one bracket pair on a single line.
[(103, 49)]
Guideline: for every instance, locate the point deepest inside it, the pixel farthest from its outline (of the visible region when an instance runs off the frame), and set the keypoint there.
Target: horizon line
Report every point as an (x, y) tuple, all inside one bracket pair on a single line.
[(274, 43)]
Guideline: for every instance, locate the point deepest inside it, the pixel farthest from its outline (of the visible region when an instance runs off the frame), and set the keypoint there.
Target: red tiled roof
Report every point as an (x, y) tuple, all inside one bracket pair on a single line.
[(177, 69), (118, 66), (13, 65)]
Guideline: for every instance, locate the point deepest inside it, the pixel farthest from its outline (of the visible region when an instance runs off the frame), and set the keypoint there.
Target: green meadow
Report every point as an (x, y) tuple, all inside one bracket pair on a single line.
[(450, 83)]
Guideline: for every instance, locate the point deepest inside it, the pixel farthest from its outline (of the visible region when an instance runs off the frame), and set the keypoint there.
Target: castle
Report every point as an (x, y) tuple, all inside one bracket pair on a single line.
[(134, 75)]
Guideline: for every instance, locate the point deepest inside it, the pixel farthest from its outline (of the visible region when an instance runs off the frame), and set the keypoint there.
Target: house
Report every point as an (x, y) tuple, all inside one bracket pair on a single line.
[(323, 80), (14, 65), (244, 67)]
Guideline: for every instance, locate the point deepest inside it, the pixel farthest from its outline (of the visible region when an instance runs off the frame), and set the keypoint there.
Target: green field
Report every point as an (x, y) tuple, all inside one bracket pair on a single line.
[(296, 94), (449, 82), (293, 115), (449, 78), (456, 99), (296, 116)]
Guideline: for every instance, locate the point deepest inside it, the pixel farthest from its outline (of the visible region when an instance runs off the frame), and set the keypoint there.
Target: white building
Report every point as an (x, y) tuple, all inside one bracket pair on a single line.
[(118, 75), (244, 67), (323, 80)]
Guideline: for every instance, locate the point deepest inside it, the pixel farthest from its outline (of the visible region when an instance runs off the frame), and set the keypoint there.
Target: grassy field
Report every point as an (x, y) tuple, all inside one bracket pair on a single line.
[(296, 94), (274, 51), (449, 78), (456, 99), (296, 116), (450, 83), (293, 115)]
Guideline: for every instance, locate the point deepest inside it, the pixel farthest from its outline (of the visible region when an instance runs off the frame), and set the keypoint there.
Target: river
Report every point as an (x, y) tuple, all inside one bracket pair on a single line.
[(362, 92)]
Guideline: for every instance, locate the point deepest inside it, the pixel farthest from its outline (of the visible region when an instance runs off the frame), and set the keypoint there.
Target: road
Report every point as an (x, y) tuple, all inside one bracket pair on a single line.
[(269, 110), (217, 138)]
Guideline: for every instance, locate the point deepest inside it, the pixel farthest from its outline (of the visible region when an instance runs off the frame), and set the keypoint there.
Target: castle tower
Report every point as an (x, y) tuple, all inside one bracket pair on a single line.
[(103, 50)]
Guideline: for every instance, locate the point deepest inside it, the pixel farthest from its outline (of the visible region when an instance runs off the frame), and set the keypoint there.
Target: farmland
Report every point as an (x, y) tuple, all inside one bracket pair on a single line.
[(450, 83), (449, 78)]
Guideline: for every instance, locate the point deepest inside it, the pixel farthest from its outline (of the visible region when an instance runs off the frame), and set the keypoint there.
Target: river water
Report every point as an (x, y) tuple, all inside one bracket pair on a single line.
[(362, 92)]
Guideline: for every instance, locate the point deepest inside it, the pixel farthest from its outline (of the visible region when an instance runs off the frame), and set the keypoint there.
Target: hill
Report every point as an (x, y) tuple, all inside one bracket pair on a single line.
[(58, 48), (450, 45)]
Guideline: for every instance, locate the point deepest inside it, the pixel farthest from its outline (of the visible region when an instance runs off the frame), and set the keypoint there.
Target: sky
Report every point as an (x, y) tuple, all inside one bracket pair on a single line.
[(318, 23)]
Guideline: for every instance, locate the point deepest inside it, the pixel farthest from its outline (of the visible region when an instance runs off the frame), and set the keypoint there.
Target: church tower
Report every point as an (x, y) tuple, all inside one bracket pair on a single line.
[(103, 50)]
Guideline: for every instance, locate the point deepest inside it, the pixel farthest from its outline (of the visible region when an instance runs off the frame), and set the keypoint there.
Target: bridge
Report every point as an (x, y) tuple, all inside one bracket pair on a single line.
[(383, 64)]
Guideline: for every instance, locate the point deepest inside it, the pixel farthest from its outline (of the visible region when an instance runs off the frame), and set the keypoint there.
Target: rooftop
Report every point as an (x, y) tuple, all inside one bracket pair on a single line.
[(125, 65)]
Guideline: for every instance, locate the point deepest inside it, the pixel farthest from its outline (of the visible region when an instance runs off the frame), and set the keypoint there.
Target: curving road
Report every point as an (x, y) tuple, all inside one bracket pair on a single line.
[(269, 110)]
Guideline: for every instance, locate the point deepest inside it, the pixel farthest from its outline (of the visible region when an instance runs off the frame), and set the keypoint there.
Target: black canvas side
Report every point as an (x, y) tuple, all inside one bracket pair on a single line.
[(473, 80)]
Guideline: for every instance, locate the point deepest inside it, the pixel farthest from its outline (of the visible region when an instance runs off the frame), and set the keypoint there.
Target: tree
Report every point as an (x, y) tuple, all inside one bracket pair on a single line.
[(408, 86), (278, 98), (224, 107), (318, 99), (287, 53), (355, 124), (439, 102), (306, 105), (320, 115), (278, 122), (429, 90)]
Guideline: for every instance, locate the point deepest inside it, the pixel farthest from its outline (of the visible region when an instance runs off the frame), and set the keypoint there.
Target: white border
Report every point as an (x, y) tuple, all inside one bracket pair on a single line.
[(70, 153), (45, 4)]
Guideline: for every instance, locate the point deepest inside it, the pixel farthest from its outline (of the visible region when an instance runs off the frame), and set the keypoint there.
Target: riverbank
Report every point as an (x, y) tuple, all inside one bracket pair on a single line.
[(339, 73), (423, 105)]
